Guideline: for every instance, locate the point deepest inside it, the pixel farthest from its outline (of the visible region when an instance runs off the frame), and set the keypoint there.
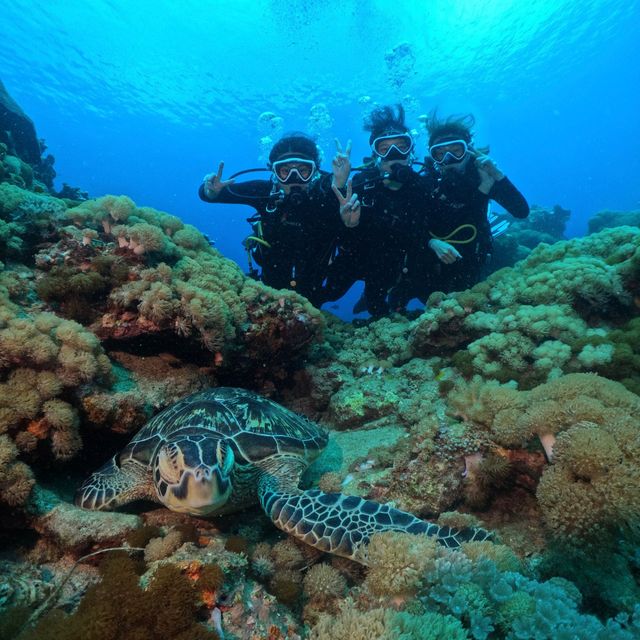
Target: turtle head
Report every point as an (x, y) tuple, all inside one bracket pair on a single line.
[(193, 475)]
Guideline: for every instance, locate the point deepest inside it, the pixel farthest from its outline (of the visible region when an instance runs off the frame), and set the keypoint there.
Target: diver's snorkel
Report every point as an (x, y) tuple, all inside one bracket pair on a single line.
[(297, 195), (240, 173), (276, 197), (399, 173), (293, 192)]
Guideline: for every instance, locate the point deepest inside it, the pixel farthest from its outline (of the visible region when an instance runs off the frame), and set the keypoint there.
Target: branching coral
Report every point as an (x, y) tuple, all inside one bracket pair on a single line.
[(462, 598)]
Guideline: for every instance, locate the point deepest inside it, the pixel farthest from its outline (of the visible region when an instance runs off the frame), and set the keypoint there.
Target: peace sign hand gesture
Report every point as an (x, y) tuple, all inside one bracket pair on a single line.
[(488, 171), (214, 184), (341, 164), (349, 205)]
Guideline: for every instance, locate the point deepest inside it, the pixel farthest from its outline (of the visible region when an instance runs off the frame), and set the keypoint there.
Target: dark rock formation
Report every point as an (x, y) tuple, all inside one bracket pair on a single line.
[(17, 130)]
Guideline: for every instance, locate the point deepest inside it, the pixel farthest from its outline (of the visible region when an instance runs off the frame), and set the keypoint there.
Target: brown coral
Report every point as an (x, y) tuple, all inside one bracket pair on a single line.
[(16, 479), (324, 583), (591, 488), (397, 563)]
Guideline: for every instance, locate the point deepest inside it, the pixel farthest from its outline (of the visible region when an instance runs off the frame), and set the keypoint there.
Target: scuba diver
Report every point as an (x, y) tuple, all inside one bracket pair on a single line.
[(383, 212), (296, 223), (458, 245)]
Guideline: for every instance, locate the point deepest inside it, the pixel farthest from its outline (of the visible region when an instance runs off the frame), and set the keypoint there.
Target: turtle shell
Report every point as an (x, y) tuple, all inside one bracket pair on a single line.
[(255, 427)]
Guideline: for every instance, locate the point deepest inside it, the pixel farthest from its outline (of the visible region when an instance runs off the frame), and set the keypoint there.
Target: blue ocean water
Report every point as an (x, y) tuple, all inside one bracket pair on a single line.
[(144, 98)]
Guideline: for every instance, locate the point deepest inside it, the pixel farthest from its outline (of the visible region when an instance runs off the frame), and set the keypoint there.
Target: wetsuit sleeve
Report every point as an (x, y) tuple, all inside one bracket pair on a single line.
[(250, 193), (506, 195)]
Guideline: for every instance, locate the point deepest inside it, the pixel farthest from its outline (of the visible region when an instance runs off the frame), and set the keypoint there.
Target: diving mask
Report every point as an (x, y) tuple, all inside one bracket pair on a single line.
[(294, 170), (448, 152), (395, 146)]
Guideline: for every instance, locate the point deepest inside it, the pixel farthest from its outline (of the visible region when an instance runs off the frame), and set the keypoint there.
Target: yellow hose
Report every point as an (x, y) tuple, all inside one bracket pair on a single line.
[(448, 238), (264, 243)]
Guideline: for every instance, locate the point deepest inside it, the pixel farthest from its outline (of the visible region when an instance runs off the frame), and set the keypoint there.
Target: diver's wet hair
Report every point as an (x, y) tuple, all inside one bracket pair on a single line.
[(452, 127), (295, 144), (384, 121)]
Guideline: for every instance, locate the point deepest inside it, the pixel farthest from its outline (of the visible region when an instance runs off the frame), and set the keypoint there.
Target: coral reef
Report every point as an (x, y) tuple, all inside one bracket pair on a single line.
[(488, 403), (605, 219), (118, 607), (536, 321), (523, 235), (457, 597), (110, 278), (45, 363)]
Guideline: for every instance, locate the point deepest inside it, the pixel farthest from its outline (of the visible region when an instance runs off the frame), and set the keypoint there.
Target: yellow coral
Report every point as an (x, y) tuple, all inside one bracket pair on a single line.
[(397, 563), (503, 557), (48, 385), (323, 582), (286, 555), (592, 485), (16, 479), (513, 417), (118, 207), (145, 237), (157, 303), (352, 624), (65, 444), (59, 414)]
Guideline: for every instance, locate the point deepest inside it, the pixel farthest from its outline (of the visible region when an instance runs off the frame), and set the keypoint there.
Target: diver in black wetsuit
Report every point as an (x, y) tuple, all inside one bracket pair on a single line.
[(390, 201), (296, 222), (454, 253)]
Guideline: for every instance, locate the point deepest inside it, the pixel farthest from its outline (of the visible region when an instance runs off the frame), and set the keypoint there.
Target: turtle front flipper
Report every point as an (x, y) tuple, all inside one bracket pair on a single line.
[(343, 525), (113, 485)]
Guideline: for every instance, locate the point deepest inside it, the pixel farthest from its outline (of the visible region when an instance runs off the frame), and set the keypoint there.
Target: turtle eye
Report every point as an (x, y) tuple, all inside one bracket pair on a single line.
[(169, 463), (224, 458)]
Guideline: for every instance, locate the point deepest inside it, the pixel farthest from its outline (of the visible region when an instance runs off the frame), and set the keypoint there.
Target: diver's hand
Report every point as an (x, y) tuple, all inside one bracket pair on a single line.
[(341, 164), (349, 205), (489, 172), (214, 184), (445, 252)]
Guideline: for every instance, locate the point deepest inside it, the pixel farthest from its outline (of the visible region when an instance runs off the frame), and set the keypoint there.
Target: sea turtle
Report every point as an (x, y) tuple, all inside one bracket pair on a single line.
[(225, 449)]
